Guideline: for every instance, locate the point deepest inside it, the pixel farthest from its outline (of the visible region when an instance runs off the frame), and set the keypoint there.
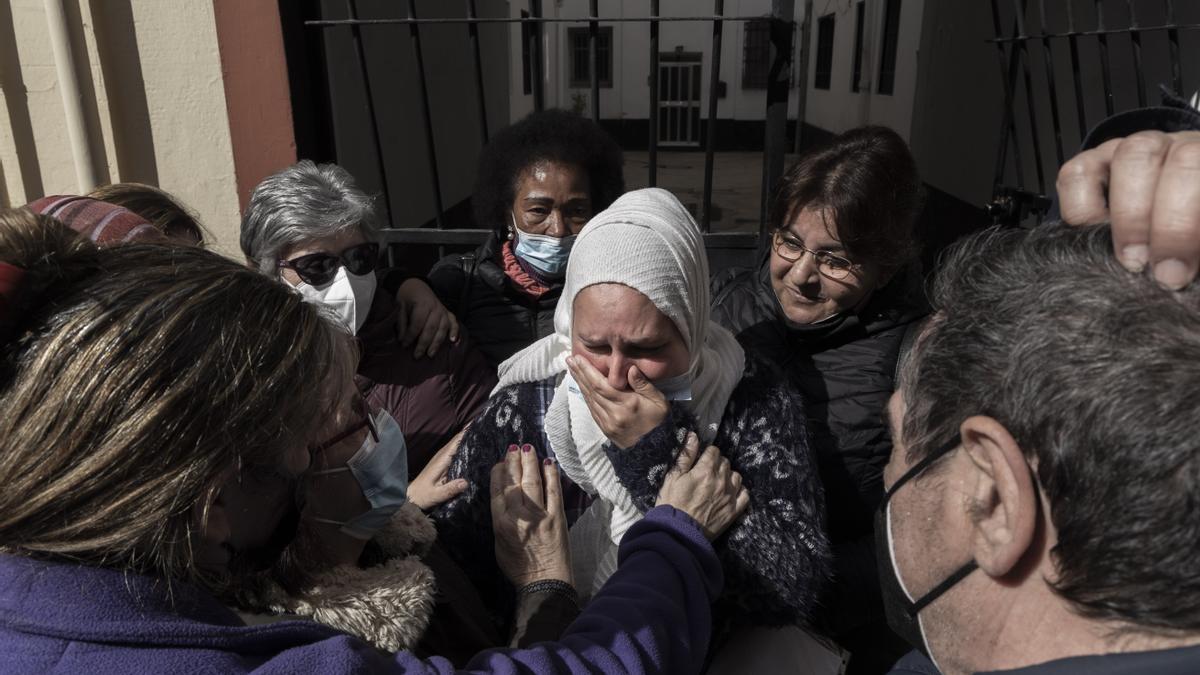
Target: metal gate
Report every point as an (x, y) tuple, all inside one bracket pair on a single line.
[(674, 106), (679, 91), (1067, 64)]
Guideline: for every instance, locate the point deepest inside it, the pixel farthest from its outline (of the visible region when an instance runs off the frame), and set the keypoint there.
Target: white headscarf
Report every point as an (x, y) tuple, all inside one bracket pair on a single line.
[(646, 240)]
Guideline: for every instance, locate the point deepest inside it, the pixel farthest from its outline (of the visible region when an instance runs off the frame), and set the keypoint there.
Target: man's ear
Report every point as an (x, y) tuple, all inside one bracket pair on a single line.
[(1004, 508)]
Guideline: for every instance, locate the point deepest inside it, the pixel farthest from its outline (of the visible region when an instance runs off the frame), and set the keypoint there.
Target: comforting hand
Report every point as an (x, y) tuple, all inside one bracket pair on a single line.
[(623, 416), (423, 321), (430, 488), (529, 523), (1152, 180), (705, 487)]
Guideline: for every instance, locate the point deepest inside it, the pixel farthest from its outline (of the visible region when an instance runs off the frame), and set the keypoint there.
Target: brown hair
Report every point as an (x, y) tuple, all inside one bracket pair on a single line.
[(134, 381), (866, 182), (157, 206)]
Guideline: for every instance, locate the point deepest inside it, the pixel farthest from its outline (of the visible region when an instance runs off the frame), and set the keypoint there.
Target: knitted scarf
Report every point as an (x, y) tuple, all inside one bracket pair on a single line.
[(646, 240)]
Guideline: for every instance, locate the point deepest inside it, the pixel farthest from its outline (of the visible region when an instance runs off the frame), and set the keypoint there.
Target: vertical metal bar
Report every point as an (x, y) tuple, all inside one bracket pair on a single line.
[(714, 80), (1173, 40), (1030, 101), (1073, 43), (1135, 41), (652, 178), (1008, 128), (538, 60), (418, 57), (1106, 72), (352, 13), (802, 80), (1049, 61), (594, 58), (778, 79), (473, 33)]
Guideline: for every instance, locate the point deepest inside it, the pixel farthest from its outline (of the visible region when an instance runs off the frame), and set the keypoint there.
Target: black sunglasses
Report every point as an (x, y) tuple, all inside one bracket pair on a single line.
[(318, 269)]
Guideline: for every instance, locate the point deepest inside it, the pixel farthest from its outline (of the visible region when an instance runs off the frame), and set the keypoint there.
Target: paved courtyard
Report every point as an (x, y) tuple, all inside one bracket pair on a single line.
[(737, 183)]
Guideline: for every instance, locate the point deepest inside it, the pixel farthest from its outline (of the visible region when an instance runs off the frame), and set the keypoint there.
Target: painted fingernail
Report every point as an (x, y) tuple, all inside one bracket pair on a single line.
[(512, 448), (1135, 256), (547, 461), (1172, 273), (527, 447)]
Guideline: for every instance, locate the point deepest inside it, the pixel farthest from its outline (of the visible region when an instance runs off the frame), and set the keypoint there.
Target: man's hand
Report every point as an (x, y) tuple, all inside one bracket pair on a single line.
[(430, 488), (1152, 181), (705, 487), (529, 522), (623, 416), (423, 323)]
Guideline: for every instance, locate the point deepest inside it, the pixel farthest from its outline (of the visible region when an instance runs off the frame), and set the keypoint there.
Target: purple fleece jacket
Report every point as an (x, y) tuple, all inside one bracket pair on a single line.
[(652, 616)]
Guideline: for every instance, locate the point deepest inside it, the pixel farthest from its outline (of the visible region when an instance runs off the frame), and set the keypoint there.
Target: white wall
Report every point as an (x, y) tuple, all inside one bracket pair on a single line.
[(629, 97), (838, 108)]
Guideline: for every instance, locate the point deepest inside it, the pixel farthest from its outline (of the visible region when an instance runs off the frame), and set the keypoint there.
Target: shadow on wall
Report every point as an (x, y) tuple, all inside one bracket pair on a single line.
[(120, 63), (13, 84), (120, 68)]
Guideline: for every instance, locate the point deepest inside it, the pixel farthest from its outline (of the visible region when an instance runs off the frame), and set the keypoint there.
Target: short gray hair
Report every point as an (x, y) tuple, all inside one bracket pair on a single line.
[(303, 202), (1095, 372)]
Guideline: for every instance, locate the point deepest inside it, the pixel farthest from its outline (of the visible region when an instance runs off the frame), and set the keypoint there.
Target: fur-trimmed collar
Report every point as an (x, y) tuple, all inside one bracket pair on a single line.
[(388, 605)]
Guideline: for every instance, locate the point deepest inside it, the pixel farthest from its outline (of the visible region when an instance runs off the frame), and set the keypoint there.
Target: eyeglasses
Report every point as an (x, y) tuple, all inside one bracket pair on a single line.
[(828, 264), (318, 269)]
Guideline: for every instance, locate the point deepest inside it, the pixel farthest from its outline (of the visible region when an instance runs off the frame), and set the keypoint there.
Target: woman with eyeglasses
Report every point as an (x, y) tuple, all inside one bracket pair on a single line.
[(539, 182), (831, 307)]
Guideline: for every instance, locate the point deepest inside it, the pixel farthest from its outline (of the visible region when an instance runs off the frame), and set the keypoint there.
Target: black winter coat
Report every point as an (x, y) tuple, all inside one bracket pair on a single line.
[(845, 371), (499, 318)]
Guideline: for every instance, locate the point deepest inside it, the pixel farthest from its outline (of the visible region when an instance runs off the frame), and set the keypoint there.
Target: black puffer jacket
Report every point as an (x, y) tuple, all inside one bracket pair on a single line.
[(500, 319), (845, 370)]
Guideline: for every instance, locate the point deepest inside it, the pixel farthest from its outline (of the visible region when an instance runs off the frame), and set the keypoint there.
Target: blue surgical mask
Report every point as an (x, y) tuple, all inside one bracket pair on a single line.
[(381, 469), (548, 255)]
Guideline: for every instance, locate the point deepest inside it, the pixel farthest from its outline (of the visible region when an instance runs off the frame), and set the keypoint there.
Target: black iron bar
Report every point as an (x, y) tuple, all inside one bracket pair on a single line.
[(538, 58), (1073, 43), (782, 25), (594, 59), (1030, 100), (1173, 40), (1050, 83), (352, 11), (1008, 128), (710, 145), (414, 32), (1105, 70), (536, 18), (1135, 41), (652, 177), (1101, 32), (473, 33)]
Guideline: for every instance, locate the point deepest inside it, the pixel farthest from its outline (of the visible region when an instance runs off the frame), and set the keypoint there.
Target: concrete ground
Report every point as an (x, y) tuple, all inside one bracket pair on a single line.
[(737, 184)]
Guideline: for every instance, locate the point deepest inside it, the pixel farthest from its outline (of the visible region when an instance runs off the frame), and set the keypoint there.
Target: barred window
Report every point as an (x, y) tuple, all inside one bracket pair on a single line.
[(756, 54), (823, 74), (581, 63), (891, 40)]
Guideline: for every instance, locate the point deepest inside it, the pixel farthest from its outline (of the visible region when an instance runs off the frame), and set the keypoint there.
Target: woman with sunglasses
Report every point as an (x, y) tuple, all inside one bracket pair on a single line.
[(831, 307), (311, 227)]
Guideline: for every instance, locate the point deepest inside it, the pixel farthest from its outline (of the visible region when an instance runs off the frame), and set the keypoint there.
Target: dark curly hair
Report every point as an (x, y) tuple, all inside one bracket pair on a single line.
[(867, 181), (551, 135)]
